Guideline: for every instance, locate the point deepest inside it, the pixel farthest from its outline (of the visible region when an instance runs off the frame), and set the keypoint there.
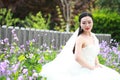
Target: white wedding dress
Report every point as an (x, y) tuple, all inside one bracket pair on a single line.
[(64, 66)]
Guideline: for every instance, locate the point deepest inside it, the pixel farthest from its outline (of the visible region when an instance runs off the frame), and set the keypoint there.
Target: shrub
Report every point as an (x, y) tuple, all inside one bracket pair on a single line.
[(107, 22), (37, 21), (6, 18), (32, 21)]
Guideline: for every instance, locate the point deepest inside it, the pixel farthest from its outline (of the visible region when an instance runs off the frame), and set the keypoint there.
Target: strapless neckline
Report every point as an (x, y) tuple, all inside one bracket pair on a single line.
[(88, 46)]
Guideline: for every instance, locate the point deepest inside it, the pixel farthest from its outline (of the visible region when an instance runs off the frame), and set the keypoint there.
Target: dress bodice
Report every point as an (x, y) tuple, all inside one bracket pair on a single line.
[(89, 53)]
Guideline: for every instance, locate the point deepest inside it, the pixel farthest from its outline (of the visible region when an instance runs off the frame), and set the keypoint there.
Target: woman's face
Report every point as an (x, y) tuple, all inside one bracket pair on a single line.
[(86, 23)]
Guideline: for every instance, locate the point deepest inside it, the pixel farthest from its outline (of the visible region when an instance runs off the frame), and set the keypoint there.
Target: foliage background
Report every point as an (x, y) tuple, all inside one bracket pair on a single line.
[(107, 22)]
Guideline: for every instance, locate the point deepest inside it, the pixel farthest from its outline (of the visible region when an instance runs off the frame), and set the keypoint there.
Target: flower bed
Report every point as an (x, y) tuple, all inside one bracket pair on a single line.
[(110, 54), (18, 62)]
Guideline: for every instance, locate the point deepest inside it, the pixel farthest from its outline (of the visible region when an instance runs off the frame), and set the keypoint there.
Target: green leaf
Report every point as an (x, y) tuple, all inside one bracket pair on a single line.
[(21, 58), (2, 77), (2, 56), (38, 67)]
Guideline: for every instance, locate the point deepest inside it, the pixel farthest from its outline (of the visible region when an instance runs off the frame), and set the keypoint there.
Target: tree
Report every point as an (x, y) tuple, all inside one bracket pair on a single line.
[(69, 8), (112, 5), (62, 11)]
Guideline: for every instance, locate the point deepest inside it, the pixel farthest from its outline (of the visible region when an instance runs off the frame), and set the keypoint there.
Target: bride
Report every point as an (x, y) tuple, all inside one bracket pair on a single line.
[(78, 59)]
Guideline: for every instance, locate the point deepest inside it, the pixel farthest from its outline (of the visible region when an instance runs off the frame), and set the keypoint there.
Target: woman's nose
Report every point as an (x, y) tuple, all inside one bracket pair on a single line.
[(87, 25)]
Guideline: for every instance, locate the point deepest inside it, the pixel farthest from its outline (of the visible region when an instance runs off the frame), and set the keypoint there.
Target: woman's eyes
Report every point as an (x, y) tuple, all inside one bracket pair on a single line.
[(86, 22), (83, 23), (89, 22)]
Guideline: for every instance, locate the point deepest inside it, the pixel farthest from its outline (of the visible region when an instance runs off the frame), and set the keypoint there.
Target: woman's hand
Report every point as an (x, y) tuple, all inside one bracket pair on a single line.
[(98, 66), (92, 67)]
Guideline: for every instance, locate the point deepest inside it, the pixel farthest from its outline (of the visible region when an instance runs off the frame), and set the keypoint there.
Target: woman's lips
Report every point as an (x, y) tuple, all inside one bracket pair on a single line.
[(87, 28)]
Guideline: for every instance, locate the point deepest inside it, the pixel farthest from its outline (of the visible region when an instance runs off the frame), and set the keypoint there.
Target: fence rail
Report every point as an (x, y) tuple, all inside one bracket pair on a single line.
[(46, 38)]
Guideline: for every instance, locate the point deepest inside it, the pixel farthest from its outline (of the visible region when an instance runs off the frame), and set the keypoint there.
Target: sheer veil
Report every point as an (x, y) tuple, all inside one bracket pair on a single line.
[(67, 51), (63, 59), (70, 43)]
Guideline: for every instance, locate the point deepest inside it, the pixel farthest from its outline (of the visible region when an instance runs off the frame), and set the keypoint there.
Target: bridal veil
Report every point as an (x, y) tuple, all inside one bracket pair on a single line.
[(63, 59)]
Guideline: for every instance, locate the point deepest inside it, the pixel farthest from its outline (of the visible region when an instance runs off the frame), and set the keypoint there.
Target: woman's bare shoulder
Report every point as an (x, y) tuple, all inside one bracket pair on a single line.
[(80, 38)]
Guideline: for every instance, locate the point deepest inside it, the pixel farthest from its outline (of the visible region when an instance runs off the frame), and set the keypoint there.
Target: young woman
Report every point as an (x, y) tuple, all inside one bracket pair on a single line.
[(78, 59)]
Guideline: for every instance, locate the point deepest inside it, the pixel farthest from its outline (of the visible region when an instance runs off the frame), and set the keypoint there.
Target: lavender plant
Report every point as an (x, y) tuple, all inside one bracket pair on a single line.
[(110, 54), (18, 62)]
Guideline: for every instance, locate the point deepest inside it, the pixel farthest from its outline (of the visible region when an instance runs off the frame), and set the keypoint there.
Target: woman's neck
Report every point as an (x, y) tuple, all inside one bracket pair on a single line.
[(87, 33)]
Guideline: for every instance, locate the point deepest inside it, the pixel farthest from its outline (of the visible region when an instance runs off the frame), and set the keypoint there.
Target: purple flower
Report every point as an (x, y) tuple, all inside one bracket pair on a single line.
[(12, 49), (30, 78), (25, 71), (53, 40), (22, 46), (14, 35), (16, 38), (27, 42), (31, 55), (44, 45), (8, 72), (115, 50), (35, 75), (6, 40), (3, 67), (33, 40), (103, 44), (20, 77), (8, 78), (41, 60), (15, 67), (13, 31)]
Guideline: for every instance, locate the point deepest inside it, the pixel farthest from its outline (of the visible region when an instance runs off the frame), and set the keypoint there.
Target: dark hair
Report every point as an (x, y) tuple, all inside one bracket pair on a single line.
[(83, 14)]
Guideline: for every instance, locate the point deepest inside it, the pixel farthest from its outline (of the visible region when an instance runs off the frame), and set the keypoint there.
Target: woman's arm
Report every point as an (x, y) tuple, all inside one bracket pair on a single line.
[(78, 56)]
